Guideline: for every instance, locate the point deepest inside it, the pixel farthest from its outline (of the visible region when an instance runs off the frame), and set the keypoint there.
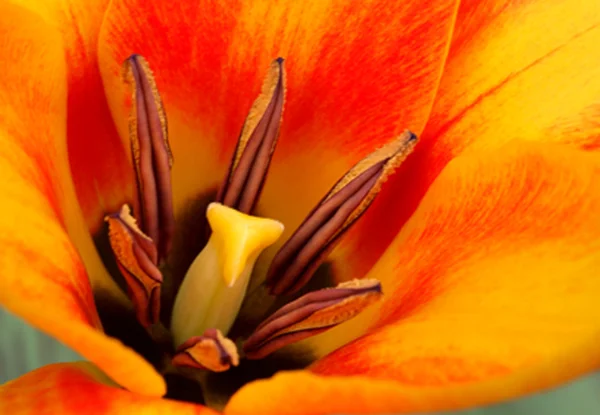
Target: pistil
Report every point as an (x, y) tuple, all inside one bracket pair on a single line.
[(215, 285)]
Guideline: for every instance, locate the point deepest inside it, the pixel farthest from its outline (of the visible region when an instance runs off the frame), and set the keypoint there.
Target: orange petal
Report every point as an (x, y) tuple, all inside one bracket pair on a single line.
[(79, 388), (43, 279), (516, 69), (491, 292), (357, 76), (508, 76), (313, 394), (100, 170), (100, 165)]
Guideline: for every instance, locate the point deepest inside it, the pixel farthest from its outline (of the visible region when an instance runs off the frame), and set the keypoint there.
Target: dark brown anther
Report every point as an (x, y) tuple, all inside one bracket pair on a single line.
[(250, 163), (211, 351), (136, 257), (311, 314), (301, 255), (151, 155)]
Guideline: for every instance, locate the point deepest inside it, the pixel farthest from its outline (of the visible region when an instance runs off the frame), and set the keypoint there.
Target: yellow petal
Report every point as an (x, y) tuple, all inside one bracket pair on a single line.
[(80, 388), (491, 292), (43, 279)]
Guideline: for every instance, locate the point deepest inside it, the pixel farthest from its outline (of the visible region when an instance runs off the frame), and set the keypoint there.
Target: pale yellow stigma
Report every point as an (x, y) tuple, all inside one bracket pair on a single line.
[(215, 285), (239, 238)]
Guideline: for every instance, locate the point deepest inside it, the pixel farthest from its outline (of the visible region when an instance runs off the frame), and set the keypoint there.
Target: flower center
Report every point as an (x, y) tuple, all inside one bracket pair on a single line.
[(213, 289)]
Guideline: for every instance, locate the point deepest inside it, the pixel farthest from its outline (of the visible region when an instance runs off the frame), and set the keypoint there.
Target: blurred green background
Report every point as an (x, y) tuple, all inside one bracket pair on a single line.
[(24, 348)]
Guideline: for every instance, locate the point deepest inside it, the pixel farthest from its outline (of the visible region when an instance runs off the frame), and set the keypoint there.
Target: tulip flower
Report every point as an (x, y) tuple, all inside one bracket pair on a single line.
[(300, 207)]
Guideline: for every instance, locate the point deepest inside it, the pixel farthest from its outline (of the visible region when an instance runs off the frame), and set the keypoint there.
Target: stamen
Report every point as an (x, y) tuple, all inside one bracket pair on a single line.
[(136, 257), (215, 285), (152, 155), (301, 255), (310, 315), (211, 351), (256, 144)]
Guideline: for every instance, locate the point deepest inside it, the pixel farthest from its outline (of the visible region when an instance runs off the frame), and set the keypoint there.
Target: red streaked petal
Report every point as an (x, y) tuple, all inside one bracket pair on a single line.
[(356, 76), (43, 279), (100, 165), (491, 293), (80, 388), (516, 70)]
